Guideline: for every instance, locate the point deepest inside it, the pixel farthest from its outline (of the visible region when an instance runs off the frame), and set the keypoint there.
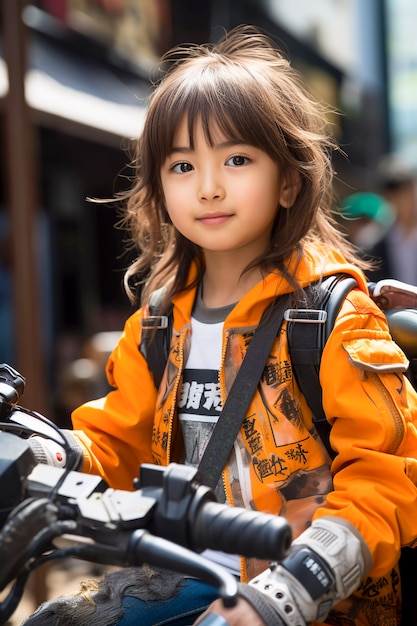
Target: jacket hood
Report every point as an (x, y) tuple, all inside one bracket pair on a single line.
[(320, 261)]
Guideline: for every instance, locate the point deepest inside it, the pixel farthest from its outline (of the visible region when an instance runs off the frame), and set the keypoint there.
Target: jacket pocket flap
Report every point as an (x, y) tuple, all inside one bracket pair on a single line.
[(375, 352)]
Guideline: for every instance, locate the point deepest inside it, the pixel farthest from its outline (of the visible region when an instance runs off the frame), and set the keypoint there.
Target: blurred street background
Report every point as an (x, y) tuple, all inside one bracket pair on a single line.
[(74, 78)]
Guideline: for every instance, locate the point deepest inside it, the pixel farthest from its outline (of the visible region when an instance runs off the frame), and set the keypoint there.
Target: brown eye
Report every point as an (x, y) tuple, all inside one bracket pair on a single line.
[(182, 168), (237, 161)]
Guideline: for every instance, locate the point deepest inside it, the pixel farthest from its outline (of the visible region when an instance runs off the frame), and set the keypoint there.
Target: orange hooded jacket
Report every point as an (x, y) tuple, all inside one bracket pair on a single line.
[(278, 464)]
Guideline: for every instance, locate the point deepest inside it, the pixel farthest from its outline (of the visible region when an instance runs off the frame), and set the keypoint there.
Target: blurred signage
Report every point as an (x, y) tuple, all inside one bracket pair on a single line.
[(135, 29), (401, 20)]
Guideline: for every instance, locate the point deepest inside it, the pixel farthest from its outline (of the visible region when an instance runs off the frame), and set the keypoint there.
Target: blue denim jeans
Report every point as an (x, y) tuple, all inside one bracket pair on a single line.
[(181, 610)]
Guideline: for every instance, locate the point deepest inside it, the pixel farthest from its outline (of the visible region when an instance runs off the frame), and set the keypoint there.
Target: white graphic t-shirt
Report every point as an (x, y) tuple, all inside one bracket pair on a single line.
[(199, 402)]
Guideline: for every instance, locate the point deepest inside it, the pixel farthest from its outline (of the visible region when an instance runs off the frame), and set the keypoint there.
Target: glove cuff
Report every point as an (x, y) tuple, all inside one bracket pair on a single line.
[(262, 604), (76, 450)]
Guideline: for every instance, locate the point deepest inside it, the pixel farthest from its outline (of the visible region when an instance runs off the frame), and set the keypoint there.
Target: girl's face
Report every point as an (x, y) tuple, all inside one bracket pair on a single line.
[(223, 197)]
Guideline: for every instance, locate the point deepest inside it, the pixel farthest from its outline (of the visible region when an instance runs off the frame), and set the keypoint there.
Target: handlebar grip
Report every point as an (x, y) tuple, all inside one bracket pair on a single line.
[(238, 531)]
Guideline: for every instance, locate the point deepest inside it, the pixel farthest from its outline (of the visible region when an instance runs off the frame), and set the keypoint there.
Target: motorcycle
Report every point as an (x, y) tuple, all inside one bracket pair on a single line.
[(167, 520)]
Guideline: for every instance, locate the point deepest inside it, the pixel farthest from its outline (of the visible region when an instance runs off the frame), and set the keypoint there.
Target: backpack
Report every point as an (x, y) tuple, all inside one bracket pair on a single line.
[(306, 341), (307, 333)]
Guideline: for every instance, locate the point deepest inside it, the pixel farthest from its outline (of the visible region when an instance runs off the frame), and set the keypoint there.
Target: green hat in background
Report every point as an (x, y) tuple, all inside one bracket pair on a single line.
[(367, 205)]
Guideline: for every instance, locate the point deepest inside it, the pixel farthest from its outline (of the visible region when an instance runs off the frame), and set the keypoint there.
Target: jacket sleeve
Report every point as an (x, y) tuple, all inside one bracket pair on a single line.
[(373, 411), (115, 431)]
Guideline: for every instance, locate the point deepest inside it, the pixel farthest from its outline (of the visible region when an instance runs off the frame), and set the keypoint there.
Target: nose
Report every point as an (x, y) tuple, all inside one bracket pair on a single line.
[(210, 185)]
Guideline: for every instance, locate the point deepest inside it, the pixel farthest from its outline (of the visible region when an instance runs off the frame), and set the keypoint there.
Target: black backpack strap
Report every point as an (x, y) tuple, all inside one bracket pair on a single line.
[(307, 332), (156, 336)]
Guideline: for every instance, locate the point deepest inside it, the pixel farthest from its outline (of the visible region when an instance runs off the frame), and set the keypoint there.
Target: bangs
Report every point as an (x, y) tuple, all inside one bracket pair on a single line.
[(216, 98)]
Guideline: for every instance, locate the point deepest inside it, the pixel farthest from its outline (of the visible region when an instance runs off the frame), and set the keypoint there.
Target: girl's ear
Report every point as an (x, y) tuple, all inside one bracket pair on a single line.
[(289, 190)]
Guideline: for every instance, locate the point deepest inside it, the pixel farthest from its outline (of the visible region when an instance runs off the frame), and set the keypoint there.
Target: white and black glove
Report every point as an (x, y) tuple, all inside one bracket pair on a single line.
[(51, 453), (325, 565), (47, 451)]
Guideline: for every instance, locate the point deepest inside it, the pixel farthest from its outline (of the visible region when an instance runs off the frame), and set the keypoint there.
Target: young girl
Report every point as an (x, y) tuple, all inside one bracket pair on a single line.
[(230, 210)]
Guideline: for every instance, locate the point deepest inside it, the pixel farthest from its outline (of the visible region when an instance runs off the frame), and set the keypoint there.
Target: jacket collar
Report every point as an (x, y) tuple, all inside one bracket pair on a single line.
[(317, 261)]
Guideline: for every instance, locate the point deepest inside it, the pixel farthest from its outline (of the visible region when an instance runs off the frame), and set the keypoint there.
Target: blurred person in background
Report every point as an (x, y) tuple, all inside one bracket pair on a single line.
[(365, 218), (396, 250)]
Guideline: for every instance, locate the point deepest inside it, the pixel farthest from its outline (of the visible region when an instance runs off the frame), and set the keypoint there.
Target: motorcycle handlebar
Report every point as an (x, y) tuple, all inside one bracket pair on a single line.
[(169, 502), (166, 521)]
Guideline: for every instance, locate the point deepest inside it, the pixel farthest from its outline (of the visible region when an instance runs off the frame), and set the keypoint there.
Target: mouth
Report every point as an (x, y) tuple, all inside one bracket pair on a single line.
[(215, 219)]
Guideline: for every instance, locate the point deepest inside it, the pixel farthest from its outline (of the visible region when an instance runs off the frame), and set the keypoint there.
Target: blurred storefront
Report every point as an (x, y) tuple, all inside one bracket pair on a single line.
[(87, 75), (401, 74)]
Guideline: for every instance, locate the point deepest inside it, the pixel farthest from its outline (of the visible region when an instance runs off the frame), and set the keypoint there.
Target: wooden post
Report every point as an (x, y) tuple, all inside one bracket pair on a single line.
[(22, 203)]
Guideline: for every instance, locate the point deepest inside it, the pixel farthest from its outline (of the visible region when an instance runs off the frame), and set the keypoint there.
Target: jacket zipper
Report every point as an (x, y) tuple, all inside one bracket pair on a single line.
[(396, 415), (181, 343), (226, 486), (222, 387)]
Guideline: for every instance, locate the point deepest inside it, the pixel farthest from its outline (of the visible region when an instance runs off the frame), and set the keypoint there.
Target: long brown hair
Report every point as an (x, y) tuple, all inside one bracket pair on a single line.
[(244, 86)]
